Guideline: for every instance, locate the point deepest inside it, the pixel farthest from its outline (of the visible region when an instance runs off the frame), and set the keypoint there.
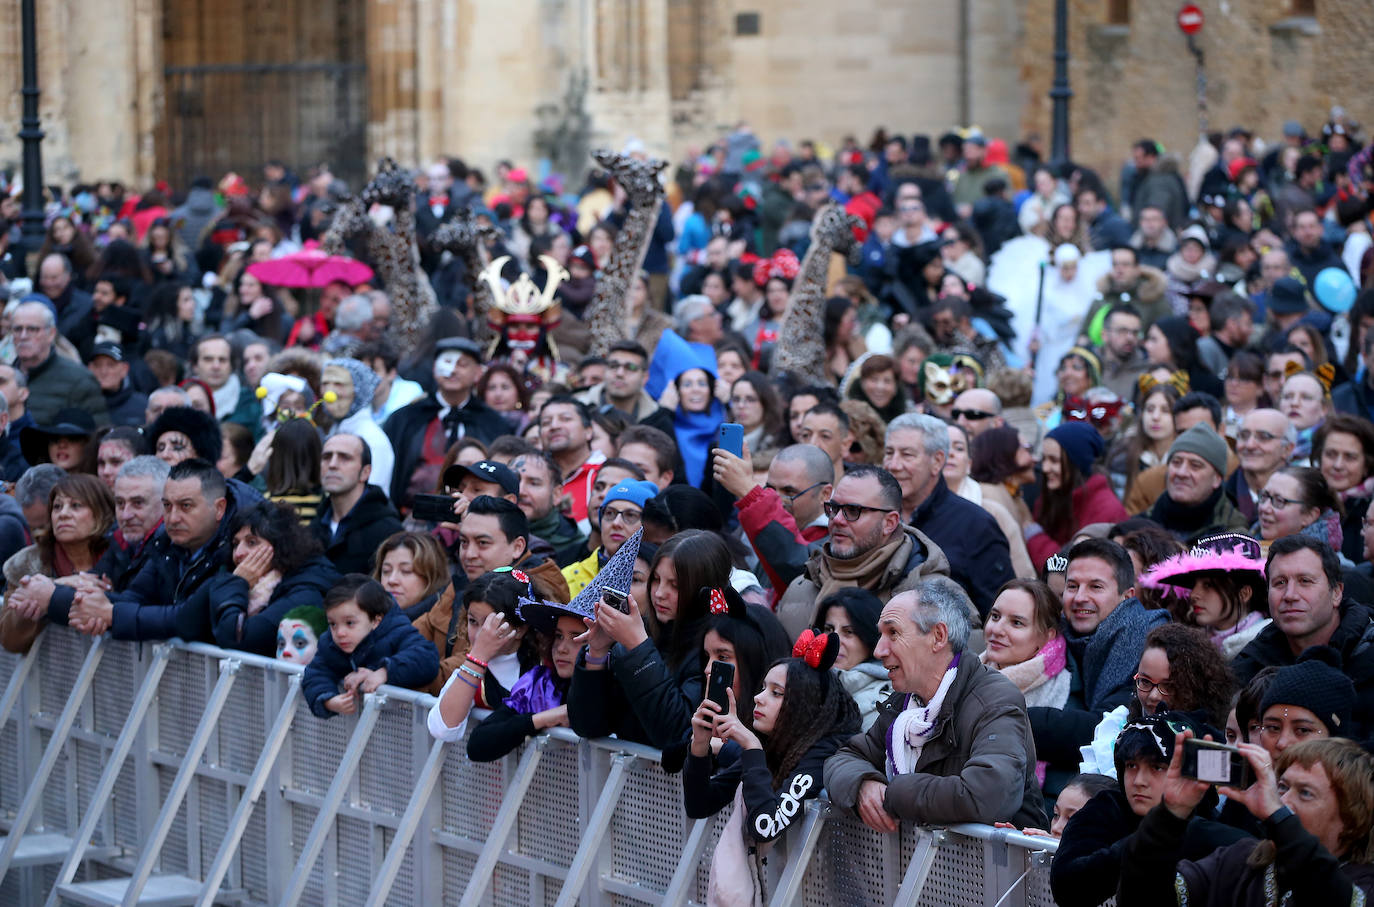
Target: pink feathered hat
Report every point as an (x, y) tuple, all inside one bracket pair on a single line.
[(1231, 553)]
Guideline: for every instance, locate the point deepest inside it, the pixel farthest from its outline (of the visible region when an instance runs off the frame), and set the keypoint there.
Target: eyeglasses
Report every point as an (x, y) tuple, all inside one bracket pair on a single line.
[(973, 415), (623, 365), (791, 496), (1146, 685), (1278, 502), (1264, 437), (626, 516), (852, 512)]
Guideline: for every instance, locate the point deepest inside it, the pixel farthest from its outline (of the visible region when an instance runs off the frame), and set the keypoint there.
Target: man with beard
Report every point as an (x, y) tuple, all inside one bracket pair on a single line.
[(868, 546)]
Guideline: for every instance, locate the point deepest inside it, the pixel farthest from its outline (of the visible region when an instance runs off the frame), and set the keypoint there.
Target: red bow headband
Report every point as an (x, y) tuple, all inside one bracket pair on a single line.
[(818, 650), (783, 264), (718, 603)]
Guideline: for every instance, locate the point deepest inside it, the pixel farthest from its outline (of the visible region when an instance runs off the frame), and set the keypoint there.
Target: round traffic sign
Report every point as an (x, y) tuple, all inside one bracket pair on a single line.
[(1190, 19)]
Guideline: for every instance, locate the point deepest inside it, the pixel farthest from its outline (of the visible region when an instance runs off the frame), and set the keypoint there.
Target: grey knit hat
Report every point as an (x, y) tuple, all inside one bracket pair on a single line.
[(1202, 440)]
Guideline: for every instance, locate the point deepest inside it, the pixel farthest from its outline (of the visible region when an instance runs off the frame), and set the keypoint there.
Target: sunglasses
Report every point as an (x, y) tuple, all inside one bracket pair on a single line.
[(972, 415)]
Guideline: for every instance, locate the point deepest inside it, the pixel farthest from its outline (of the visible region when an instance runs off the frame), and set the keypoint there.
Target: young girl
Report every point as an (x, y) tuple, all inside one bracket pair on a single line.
[(800, 718), (369, 643), (640, 678), (537, 700), (500, 649), (746, 636), (1223, 578)]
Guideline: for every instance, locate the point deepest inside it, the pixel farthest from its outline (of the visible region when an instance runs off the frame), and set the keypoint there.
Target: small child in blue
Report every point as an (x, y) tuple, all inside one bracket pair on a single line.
[(369, 643)]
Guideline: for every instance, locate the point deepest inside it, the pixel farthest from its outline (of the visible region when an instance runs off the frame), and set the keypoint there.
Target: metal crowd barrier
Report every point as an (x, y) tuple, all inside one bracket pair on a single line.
[(175, 773)]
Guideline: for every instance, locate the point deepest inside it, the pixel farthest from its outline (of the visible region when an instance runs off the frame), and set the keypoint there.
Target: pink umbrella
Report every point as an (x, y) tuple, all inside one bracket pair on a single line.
[(310, 268)]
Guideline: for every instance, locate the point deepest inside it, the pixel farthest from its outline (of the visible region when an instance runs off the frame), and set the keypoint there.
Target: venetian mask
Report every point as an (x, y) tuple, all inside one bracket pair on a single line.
[(446, 363), (296, 642), (939, 383)]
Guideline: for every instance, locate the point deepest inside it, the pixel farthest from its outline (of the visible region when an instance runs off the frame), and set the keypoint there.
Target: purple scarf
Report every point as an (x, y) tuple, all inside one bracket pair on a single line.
[(538, 689)]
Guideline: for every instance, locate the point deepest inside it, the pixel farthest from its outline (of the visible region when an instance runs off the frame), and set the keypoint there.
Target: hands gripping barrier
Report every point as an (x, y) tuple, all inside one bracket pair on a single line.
[(185, 774)]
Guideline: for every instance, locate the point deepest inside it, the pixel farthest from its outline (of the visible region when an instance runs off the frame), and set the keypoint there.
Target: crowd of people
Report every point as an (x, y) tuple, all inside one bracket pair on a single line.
[(1035, 475)]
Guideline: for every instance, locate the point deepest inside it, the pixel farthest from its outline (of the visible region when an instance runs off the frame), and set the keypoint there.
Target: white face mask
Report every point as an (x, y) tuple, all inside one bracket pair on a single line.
[(446, 363)]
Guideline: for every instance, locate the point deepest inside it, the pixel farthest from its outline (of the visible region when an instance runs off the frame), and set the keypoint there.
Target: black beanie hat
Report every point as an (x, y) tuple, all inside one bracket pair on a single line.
[(863, 607), (1317, 684), (201, 428)]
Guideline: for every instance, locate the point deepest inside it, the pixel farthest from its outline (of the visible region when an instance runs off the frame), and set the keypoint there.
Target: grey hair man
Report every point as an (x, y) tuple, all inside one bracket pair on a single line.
[(915, 452), (162, 399), (696, 319), (353, 326), (961, 748), (138, 498), (55, 382)]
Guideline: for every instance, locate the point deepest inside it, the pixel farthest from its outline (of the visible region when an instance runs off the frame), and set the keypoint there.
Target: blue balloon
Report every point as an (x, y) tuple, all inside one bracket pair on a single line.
[(1334, 289)]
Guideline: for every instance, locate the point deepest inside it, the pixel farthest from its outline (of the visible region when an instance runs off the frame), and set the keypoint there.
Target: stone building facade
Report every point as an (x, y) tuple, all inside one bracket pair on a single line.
[(142, 89)]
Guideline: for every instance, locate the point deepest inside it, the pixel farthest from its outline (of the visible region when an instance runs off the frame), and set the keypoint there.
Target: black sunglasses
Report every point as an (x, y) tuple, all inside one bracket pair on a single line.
[(973, 415)]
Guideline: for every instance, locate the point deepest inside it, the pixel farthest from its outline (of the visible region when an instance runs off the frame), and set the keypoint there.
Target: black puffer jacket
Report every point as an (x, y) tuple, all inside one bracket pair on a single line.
[(406, 428), (220, 607), (637, 697)]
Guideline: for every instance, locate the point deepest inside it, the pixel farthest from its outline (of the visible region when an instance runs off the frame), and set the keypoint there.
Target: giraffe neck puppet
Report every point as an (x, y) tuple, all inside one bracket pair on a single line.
[(464, 236), (801, 336), (607, 315), (393, 250)]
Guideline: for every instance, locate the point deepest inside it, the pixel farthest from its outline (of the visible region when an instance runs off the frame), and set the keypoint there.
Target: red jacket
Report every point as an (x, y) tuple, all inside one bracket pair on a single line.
[(1093, 502), (782, 550)]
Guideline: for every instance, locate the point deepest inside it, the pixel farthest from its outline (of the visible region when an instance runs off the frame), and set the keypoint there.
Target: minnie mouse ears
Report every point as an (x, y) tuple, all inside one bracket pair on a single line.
[(819, 651), (724, 601)]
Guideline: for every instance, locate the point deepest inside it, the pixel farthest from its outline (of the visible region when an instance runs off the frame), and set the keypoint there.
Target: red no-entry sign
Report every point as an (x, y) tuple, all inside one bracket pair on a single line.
[(1190, 19)]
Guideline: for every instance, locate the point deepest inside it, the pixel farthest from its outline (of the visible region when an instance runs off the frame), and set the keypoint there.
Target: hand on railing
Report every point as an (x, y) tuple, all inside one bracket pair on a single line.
[(555, 717), (30, 598), (91, 613), (871, 809), (364, 681), (343, 704)]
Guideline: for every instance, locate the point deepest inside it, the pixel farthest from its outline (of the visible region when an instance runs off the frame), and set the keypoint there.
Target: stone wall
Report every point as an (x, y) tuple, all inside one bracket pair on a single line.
[(1136, 80)]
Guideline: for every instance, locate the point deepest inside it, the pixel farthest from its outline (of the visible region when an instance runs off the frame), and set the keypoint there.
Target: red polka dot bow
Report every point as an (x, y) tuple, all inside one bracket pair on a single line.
[(718, 604)]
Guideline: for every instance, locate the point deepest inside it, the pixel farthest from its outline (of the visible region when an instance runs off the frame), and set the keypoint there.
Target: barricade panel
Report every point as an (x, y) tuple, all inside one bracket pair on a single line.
[(549, 826), (956, 878), (632, 864), (649, 827)]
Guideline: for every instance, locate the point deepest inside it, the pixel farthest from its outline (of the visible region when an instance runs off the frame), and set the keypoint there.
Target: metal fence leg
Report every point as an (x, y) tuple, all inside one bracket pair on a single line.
[(239, 823), (801, 847), (680, 886), (919, 869), (333, 798), (228, 671), (127, 734), (60, 732), (410, 820), (596, 829), (21, 674), (505, 822)]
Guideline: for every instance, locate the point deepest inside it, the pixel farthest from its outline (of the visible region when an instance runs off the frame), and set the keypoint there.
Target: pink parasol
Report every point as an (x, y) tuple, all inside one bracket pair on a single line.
[(310, 268)]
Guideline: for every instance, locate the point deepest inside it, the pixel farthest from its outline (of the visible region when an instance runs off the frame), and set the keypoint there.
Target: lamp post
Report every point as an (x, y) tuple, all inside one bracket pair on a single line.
[(31, 133), (1060, 93)]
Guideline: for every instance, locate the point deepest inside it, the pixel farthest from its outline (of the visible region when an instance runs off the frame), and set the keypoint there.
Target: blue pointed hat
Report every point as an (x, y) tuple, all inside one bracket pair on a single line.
[(618, 574)]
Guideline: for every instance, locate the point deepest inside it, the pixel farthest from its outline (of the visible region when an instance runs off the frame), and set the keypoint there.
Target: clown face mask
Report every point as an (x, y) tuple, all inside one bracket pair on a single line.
[(296, 642)]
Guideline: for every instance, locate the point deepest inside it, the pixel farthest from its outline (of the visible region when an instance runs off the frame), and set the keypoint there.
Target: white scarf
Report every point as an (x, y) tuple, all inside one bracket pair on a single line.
[(907, 735), (227, 398)]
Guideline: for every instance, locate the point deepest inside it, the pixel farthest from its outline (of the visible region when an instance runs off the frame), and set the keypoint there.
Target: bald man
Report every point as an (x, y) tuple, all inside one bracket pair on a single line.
[(784, 518), (977, 410)]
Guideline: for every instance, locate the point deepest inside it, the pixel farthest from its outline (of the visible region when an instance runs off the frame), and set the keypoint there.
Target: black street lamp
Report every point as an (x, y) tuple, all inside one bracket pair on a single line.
[(31, 133), (1060, 93)]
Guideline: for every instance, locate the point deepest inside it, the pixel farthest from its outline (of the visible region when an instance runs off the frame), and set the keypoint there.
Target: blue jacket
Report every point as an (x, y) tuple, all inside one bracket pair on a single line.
[(410, 660), (170, 575)]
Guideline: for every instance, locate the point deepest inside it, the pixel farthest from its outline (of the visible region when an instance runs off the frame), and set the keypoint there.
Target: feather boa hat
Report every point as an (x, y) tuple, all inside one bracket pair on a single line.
[(1231, 553)]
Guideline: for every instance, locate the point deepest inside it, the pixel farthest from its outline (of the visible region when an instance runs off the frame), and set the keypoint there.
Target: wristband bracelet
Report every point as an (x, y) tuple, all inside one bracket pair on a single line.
[(598, 662), (477, 661), (464, 669), (468, 682)]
